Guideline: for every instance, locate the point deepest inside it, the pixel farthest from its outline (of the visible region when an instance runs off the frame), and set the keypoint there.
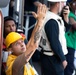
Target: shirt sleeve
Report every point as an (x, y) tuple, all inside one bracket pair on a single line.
[(52, 32), (17, 68)]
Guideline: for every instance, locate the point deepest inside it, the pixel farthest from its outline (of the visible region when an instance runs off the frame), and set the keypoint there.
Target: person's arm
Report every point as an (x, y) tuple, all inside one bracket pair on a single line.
[(66, 12), (72, 21), (36, 34), (67, 26), (33, 43), (52, 32)]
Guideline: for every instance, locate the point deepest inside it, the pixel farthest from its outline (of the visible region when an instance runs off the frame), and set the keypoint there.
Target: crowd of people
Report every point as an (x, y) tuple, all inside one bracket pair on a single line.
[(54, 32)]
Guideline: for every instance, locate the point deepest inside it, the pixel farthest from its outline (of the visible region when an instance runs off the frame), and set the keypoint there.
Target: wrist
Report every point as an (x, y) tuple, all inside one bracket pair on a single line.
[(40, 18), (40, 21)]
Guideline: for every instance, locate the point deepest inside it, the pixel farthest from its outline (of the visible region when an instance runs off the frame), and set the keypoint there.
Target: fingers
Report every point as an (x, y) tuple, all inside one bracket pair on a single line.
[(39, 8), (41, 11), (44, 8), (34, 14), (64, 63), (66, 10)]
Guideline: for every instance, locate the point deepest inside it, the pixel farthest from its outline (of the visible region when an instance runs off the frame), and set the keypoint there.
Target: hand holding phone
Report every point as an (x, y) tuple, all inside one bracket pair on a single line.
[(66, 10), (65, 13)]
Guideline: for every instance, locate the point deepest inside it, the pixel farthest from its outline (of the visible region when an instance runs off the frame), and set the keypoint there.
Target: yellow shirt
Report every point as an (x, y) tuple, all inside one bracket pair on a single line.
[(27, 68)]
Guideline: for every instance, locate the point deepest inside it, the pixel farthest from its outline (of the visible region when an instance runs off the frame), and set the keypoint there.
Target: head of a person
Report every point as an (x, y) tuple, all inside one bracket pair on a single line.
[(15, 42), (57, 5), (72, 4), (9, 25)]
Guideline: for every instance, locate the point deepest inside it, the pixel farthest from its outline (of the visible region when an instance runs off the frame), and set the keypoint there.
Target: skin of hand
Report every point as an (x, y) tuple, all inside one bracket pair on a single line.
[(42, 9), (64, 63), (66, 10)]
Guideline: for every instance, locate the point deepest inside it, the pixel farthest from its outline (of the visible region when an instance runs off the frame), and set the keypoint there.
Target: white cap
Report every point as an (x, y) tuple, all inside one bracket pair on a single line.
[(57, 0)]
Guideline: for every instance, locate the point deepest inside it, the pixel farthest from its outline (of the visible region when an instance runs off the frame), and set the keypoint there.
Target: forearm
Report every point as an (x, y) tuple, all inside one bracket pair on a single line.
[(22, 59), (34, 41), (72, 21), (36, 34), (18, 65)]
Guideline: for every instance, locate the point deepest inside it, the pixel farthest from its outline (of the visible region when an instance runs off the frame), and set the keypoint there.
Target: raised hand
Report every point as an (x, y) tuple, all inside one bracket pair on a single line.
[(41, 12)]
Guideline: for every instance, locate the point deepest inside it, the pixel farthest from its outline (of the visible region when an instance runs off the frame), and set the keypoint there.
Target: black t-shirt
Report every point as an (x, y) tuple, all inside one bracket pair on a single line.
[(29, 5)]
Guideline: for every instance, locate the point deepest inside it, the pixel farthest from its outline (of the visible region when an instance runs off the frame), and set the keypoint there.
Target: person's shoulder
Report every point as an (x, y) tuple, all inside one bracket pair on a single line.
[(52, 21), (51, 24)]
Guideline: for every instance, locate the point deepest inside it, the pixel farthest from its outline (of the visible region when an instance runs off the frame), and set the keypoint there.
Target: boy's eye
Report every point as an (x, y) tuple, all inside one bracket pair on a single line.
[(22, 41), (16, 43)]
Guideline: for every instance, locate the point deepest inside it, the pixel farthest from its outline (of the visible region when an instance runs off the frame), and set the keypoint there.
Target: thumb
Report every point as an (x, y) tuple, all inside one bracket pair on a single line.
[(34, 14)]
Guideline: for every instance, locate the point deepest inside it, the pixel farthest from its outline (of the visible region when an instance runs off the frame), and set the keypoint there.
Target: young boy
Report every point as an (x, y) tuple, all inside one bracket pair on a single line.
[(17, 62)]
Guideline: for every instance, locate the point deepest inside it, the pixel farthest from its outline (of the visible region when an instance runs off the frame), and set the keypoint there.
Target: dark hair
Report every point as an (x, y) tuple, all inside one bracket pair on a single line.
[(69, 3), (7, 18)]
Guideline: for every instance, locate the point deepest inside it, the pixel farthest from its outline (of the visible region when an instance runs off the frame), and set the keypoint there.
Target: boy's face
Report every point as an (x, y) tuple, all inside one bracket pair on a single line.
[(9, 26), (18, 47)]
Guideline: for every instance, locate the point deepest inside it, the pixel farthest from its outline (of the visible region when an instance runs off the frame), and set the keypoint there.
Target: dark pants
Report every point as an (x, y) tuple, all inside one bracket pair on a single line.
[(51, 65), (70, 59)]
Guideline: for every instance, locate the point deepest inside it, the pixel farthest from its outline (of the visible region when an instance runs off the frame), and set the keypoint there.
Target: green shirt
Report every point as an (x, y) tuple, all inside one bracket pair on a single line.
[(71, 39), (72, 15)]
